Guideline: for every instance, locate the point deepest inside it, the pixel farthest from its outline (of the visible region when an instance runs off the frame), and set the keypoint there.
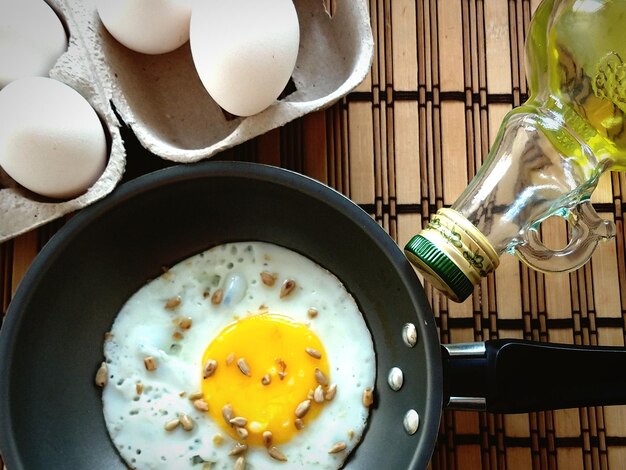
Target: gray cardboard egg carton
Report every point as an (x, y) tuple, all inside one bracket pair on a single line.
[(163, 101)]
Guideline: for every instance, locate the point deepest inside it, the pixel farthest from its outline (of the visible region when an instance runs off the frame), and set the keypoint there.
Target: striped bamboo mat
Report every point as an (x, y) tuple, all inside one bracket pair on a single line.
[(405, 143)]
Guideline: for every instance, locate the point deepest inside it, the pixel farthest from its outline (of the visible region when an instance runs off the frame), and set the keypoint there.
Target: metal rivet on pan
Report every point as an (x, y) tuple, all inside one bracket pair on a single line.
[(409, 334), (411, 422), (395, 379)]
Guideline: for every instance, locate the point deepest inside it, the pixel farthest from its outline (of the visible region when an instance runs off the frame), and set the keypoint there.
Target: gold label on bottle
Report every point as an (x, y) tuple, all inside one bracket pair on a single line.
[(463, 244)]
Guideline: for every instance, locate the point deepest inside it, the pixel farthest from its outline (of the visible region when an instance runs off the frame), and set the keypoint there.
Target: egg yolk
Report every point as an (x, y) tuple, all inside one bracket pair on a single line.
[(266, 369)]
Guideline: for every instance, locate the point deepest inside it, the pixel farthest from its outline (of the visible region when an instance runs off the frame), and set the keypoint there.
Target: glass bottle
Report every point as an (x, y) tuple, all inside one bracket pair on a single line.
[(547, 157)]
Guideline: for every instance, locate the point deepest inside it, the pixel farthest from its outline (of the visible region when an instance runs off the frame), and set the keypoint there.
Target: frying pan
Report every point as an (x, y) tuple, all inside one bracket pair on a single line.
[(51, 341)]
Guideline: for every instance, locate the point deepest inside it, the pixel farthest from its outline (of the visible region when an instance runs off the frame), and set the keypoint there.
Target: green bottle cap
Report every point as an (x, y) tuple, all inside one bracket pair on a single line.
[(452, 254)]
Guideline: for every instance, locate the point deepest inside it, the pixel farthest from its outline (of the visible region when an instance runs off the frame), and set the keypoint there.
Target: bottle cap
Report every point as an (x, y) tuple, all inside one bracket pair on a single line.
[(452, 254)]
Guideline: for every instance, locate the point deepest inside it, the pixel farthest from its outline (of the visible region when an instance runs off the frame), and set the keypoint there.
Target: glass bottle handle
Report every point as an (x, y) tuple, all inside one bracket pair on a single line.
[(588, 229)]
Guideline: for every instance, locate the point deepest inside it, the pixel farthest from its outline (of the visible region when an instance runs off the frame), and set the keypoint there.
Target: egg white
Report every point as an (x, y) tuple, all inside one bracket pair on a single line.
[(144, 327)]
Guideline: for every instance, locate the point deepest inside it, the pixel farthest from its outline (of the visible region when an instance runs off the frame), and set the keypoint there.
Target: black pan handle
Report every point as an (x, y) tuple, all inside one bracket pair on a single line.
[(515, 376)]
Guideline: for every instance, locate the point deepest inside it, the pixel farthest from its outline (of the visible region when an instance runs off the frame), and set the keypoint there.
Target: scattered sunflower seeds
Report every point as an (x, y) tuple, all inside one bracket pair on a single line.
[(209, 368), (313, 353), (368, 397), (239, 421), (102, 376), (331, 392), (185, 323), (195, 396), (320, 377), (240, 463), (228, 413), (268, 278), (171, 425), (201, 405), (186, 422), (238, 449), (276, 454), (303, 408), (318, 394), (243, 366), (217, 297), (230, 358), (172, 303), (266, 379), (242, 433), (150, 363), (338, 447), (288, 286), (299, 424), (312, 312), (267, 438)]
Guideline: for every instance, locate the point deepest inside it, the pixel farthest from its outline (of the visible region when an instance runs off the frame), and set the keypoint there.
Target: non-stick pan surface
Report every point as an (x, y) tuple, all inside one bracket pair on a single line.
[(51, 341)]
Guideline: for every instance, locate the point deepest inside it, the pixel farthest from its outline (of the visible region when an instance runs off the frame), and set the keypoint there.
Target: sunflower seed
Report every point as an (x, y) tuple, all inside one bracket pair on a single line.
[(207, 465), (313, 353), (139, 388), (228, 413), (217, 297), (312, 312), (268, 278), (171, 425), (368, 397), (230, 358), (243, 366), (338, 447), (239, 421), (276, 454), (266, 379), (302, 408), (218, 439), (238, 449), (318, 394), (102, 375), (241, 432), (185, 323), (320, 377), (209, 368), (310, 394), (330, 392), (240, 463), (172, 303), (288, 286), (201, 405), (177, 336), (195, 396), (186, 422), (108, 336), (150, 363), (267, 438), (299, 424)]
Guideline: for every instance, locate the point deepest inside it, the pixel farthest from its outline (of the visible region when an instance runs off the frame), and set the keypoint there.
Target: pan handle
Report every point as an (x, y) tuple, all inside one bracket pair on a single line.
[(516, 376)]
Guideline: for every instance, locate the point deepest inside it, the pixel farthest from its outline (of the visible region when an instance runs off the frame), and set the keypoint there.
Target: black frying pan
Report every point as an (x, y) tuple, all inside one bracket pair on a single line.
[(51, 342)]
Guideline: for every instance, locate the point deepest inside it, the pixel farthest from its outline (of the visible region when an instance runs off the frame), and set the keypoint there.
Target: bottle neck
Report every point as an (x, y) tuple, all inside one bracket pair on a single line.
[(536, 167)]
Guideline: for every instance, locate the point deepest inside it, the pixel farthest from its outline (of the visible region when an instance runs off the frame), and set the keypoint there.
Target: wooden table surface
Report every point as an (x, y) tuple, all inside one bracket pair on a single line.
[(405, 143)]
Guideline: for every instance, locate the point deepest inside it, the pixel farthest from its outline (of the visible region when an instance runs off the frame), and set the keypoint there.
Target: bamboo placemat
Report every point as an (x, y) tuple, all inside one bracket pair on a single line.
[(405, 143)]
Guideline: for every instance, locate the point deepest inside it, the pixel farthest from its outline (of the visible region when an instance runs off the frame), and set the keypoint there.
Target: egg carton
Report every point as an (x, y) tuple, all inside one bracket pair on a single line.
[(161, 98)]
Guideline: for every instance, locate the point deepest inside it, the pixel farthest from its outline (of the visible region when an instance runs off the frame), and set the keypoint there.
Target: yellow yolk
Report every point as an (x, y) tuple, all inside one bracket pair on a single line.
[(271, 345)]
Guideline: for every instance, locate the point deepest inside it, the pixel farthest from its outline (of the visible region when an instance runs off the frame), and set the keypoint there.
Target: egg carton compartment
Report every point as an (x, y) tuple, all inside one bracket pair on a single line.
[(161, 98), (164, 102), (81, 67)]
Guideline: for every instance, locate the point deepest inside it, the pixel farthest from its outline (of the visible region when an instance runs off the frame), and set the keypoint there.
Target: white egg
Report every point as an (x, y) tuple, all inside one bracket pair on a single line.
[(32, 38), (51, 139), (244, 50), (147, 26), (175, 317)]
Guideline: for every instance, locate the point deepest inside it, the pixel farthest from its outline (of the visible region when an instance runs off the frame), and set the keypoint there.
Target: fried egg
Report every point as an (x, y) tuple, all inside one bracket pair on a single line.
[(247, 355)]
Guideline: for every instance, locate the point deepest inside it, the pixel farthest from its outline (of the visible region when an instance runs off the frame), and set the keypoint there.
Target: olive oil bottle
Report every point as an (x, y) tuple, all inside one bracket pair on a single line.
[(547, 157)]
